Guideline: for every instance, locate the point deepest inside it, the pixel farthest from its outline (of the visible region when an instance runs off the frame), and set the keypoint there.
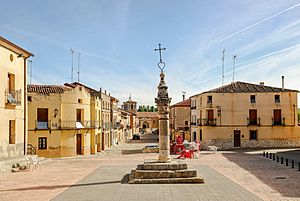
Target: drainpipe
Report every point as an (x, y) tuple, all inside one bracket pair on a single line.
[(25, 105), (25, 102)]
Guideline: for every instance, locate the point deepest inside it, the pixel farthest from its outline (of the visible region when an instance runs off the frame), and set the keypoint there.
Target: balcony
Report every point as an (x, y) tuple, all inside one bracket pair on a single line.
[(210, 122), (70, 124), (278, 122), (193, 107), (42, 125), (193, 123), (13, 97), (253, 122)]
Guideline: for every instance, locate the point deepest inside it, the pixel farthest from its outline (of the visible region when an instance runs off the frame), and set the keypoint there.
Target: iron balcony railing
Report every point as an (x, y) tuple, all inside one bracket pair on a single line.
[(278, 122), (42, 125), (13, 97), (253, 121), (210, 122), (193, 107), (71, 124)]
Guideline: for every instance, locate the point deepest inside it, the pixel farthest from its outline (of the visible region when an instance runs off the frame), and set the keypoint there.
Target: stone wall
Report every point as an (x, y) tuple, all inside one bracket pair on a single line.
[(225, 144)]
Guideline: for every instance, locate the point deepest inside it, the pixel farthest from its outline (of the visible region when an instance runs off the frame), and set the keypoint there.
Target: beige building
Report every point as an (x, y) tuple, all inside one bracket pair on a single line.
[(180, 114), (126, 131), (115, 118), (106, 125), (96, 116), (59, 120), (148, 121), (241, 115), (13, 110)]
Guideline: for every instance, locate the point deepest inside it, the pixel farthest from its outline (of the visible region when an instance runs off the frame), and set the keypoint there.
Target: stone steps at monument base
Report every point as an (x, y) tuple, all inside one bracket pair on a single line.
[(191, 180), (158, 174), (163, 166)]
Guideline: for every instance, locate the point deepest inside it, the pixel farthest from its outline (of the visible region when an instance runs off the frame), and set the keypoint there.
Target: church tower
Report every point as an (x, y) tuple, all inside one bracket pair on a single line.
[(130, 105)]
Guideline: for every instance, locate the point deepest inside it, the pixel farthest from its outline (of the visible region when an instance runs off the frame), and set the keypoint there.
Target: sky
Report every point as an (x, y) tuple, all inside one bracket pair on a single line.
[(116, 41)]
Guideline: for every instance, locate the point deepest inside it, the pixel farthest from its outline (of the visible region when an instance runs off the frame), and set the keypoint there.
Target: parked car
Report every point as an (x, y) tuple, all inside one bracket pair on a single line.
[(136, 136)]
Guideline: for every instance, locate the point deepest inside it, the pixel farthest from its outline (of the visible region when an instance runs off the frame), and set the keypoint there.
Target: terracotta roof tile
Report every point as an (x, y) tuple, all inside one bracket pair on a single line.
[(147, 114), (47, 89), (185, 103), (243, 87)]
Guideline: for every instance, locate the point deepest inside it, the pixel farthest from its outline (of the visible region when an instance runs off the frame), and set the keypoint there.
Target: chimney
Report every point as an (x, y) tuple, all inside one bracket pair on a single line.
[(183, 97), (282, 82), (262, 83)]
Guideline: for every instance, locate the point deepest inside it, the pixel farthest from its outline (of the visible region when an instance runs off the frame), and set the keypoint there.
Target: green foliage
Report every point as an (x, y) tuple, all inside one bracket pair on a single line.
[(148, 108)]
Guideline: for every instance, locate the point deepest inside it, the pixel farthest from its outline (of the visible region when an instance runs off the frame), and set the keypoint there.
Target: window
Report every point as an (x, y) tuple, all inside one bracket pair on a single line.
[(79, 115), (252, 117), (186, 123), (253, 135), (194, 135), (277, 98), (209, 99), (42, 143), (277, 117), (200, 101), (252, 99), (200, 134), (42, 118), (79, 100), (12, 131), (29, 98), (11, 82)]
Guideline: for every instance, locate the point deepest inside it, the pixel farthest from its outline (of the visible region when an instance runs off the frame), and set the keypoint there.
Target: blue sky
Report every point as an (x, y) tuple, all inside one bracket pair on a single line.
[(116, 39)]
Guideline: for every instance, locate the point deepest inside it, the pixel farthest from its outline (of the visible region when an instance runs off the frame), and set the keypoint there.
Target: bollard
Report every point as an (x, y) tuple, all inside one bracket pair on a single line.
[(281, 160), (277, 159), (286, 162), (264, 153), (270, 156), (292, 163), (273, 157), (267, 155)]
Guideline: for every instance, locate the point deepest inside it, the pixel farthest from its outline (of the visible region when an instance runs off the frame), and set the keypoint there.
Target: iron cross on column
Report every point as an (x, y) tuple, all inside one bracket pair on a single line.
[(160, 64)]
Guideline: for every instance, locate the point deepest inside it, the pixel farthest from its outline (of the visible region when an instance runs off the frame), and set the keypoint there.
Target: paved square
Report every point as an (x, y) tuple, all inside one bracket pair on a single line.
[(228, 175)]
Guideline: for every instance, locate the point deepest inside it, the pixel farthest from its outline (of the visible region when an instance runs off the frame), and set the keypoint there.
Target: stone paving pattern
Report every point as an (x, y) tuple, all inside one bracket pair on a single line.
[(236, 175)]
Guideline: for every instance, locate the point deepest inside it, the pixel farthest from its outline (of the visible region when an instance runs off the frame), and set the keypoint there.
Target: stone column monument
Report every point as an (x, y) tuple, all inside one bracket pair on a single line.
[(163, 103), (163, 170)]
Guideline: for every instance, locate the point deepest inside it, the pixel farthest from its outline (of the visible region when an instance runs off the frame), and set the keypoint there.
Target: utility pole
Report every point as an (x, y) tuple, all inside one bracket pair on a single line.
[(223, 57), (72, 65), (78, 72), (30, 74), (233, 66)]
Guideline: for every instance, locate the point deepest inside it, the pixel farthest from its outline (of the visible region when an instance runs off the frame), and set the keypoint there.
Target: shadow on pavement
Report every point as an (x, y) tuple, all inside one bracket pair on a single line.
[(135, 151), (125, 179), (286, 183), (62, 186)]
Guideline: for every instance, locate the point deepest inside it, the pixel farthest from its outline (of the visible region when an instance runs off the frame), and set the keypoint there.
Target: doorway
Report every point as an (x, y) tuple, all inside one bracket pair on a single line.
[(78, 144), (237, 138)]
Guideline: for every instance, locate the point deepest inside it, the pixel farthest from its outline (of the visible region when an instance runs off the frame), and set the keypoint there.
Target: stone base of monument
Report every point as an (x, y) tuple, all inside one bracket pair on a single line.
[(152, 172)]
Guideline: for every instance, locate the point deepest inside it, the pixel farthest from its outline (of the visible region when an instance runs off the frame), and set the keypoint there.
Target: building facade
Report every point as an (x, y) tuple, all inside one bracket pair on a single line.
[(148, 121), (180, 115), (59, 120), (13, 109), (245, 115)]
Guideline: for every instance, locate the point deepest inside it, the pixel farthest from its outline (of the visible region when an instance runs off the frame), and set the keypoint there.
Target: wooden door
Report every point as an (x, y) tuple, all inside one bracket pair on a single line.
[(277, 117), (253, 117), (78, 144), (102, 143), (210, 115), (237, 138)]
